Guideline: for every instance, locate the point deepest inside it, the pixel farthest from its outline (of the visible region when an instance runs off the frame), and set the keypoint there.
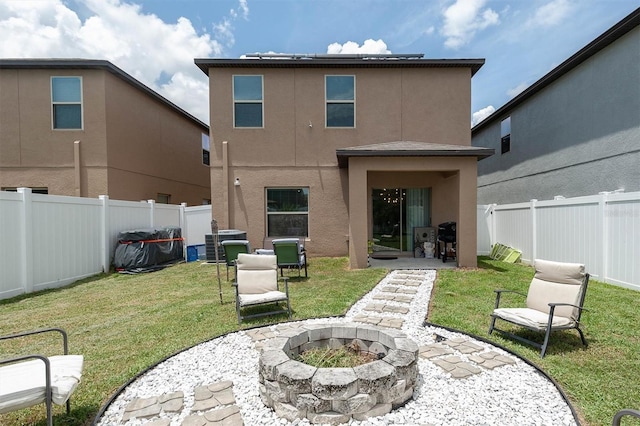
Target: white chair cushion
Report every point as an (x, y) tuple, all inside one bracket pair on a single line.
[(257, 299), (532, 318), (257, 274), (23, 384), (556, 282)]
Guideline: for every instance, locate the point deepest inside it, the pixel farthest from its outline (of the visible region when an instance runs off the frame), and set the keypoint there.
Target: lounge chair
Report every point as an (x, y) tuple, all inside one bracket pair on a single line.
[(257, 284), (554, 302), (290, 254), (34, 379), (231, 250)]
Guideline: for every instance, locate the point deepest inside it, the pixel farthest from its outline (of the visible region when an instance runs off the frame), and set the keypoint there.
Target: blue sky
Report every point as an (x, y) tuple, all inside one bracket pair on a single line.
[(156, 40)]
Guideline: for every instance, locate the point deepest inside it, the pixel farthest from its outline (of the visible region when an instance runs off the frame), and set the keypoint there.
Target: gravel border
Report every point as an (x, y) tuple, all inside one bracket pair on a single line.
[(517, 394)]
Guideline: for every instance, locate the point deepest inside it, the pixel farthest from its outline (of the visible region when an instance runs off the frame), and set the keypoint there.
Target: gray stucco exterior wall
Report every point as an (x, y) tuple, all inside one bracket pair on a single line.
[(580, 135)]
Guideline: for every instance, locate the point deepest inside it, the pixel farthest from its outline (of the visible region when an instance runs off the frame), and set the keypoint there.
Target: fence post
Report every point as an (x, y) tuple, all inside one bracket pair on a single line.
[(152, 213), (27, 239), (105, 244), (534, 231), (604, 243), (183, 226)]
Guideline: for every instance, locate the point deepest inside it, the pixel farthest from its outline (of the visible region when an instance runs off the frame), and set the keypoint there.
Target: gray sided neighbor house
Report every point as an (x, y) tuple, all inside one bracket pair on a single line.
[(574, 132)]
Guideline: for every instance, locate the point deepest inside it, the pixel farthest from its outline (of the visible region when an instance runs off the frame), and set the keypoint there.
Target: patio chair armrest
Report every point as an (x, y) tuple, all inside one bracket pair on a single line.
[(553, 305), (626, 412), (286, 285), (499, 292), (65, 340)]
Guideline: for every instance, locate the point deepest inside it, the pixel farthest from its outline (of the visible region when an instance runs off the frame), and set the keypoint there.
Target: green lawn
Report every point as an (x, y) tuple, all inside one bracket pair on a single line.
[(125, 323)]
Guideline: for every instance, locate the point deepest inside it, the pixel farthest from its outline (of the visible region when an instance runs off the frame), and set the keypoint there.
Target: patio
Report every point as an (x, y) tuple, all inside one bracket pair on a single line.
[(461, 380)]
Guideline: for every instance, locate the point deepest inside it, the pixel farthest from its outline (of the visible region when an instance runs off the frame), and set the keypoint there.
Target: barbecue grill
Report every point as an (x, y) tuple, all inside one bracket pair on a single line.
[(446, 237)]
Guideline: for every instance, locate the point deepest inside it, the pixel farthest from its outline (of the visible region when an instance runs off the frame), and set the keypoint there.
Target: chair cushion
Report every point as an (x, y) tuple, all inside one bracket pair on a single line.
[(532, 318), (556, 282), (23, 384), (257, 299), (257, 274)]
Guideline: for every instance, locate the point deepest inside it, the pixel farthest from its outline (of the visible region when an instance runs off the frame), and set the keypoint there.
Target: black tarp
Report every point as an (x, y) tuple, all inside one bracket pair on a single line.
[(145, 250)]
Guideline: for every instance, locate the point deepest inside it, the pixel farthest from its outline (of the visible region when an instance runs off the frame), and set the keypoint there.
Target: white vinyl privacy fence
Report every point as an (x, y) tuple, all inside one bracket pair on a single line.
[(601, 231), (48, 241)]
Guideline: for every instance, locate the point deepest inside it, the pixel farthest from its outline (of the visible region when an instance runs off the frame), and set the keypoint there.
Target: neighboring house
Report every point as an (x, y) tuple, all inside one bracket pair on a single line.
[(343, 149), (574, 132), (86, 128)]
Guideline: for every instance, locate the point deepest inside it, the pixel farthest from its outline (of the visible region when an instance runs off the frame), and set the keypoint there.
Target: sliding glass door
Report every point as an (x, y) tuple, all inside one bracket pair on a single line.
[(396, 211)]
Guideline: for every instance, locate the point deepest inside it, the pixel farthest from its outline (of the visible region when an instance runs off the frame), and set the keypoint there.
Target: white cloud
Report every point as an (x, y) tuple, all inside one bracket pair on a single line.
[(463, 19), (157, 53), (480, 115), (515, 91), (350, 47), (550, 14)]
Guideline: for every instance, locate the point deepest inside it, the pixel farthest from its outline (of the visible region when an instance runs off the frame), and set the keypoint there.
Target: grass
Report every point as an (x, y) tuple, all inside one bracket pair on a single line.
[(342, 357), (599, 380), (122, 324)]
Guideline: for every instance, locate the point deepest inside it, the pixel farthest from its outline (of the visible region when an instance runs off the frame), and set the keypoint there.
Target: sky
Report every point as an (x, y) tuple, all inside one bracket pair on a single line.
[(156, 41)]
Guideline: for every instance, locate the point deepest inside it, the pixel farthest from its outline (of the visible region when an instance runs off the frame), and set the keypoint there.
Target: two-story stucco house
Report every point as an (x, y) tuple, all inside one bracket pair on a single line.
[(343, 149), (86, 128), (574, 132)]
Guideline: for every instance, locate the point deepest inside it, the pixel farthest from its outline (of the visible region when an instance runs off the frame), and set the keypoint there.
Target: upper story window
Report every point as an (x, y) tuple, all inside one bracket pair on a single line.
[(247, 101), (505, 135), (66, 101), (205, 149), (340, 94)]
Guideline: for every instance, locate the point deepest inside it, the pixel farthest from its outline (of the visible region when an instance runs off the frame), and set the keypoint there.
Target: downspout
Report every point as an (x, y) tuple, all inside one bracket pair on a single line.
[(76, 168), (226, 196)]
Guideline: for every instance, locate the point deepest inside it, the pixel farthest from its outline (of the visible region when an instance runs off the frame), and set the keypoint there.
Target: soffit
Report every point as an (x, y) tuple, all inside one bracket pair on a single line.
[(410, 149)]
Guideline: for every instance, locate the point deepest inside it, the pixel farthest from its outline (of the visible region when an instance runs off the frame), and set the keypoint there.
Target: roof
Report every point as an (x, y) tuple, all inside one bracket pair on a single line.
[(96, 64), (338, 61), (608, 37), (411, 149)]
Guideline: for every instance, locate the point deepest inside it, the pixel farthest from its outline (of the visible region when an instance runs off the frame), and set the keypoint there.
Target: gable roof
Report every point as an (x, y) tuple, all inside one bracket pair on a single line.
[(605, 39), (101, 65), (411, 149), (338, 61)]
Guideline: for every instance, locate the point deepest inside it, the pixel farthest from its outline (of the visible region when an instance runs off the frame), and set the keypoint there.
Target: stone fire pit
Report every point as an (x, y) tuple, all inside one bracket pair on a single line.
[(335, 395)]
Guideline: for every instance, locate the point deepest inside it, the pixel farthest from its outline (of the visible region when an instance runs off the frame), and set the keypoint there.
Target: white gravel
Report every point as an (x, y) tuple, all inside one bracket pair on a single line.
[(509, 395)]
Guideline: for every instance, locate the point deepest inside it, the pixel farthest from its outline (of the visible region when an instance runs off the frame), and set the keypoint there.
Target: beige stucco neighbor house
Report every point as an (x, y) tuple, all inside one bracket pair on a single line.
[(343, 150), (86, 128)]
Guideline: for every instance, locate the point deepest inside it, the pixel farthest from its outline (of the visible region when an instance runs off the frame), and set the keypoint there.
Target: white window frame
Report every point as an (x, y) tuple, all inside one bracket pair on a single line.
[(243, 101), (340, 101), (53, 103), (504, 134), (267, 213), (206, 147)]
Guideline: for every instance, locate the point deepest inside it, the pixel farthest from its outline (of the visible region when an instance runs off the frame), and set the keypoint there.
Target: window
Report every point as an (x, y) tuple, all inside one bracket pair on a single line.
[(205, 149), (34, 190), (340, 100), (287, 212), (505, 135), (66, 101), (163, 198), (247, 101)]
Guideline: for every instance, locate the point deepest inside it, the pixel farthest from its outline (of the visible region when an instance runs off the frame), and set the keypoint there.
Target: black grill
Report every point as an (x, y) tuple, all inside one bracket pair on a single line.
[(446, 235), (447, 232)]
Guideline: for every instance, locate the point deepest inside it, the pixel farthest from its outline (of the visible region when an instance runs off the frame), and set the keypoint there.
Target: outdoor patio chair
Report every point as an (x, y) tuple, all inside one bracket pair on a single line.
[(231, 250), (257, 284), (34, 379), (290, 254), (554, 302)]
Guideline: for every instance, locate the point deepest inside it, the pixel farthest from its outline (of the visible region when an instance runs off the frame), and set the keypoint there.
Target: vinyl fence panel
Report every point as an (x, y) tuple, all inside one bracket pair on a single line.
[(49, 241), (11, 253), (602, 231)]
